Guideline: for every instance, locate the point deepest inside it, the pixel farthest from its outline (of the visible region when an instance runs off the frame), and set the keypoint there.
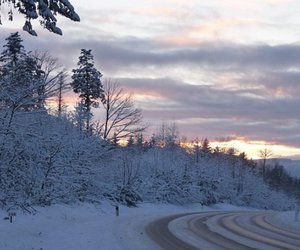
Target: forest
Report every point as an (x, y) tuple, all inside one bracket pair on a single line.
[(50, 155)]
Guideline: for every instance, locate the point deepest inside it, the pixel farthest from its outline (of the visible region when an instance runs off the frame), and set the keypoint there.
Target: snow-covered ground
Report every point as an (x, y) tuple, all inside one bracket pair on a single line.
[(94, 227), (287, 220)]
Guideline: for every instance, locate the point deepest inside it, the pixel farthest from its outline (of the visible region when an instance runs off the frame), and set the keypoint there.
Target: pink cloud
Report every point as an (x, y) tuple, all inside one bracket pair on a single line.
[(209, 30)]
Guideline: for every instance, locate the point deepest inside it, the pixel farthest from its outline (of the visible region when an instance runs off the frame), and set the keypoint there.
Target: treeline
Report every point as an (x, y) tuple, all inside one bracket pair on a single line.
[(161, 169), (280, 180), (57, 156)]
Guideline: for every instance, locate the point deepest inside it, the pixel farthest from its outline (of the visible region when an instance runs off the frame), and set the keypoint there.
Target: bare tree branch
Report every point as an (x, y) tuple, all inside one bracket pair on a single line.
[(122, 118)]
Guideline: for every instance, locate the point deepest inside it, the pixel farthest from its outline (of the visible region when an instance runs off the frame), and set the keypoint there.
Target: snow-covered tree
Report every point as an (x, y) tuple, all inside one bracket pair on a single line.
[(13, 50), (80, 116), (205, 147), (196, 149), (21, 78), (26, 79), (46, 10), (87, 83), (46, 160), (12, 54)]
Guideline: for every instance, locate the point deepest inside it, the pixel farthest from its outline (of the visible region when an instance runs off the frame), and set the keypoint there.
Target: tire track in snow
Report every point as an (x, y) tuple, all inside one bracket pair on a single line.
[(263, 222), (222, 230), (231, 223)]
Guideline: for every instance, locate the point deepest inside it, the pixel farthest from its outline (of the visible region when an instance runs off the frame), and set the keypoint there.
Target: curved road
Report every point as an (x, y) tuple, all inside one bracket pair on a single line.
[(221, 230)]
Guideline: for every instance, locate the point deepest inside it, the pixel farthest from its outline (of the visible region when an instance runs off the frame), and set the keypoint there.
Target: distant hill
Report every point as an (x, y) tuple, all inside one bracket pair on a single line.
[(291, 166)]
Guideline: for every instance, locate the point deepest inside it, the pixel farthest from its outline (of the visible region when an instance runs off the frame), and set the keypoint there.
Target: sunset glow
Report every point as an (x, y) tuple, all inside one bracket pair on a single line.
[(252, 148)]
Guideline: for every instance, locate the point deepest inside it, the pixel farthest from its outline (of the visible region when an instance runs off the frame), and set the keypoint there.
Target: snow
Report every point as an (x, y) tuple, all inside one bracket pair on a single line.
[(83, 226), (286, 220), (93, 227)]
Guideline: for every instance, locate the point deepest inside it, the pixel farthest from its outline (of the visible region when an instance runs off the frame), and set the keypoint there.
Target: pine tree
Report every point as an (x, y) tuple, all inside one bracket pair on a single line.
[(45, 9), (21, 77), (12, 70), (115, 139), (153, 141), (14, 50), (130, 141), (140, 140), (205, 147), (86, 82)]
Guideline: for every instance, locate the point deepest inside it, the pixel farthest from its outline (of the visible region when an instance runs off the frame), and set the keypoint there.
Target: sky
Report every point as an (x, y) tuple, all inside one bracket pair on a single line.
[(226, 70)]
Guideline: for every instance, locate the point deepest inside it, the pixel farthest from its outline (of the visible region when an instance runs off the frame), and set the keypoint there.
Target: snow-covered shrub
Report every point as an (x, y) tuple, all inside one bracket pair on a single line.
[(45, 159)]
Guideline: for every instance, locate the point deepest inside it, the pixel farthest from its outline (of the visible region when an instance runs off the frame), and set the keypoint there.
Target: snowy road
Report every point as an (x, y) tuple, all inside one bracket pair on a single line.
[(222, 230)]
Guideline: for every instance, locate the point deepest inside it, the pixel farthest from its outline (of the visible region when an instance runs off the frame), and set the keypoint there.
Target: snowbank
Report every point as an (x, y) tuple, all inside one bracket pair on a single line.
[(83, 226)]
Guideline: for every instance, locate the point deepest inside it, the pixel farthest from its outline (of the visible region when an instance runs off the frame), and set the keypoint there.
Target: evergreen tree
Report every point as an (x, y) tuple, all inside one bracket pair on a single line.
[(45, 9), (14, 50), (86, 82), (205, 147), (130, 141), (153, 141), (140, 140), (115, 139), (21, 77)]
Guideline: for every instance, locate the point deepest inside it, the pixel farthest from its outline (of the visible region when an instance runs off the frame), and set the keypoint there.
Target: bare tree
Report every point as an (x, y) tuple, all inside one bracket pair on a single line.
[(196, 149), (122, 118), (265, 154), (167, 135), (53, 72), (62, 87)]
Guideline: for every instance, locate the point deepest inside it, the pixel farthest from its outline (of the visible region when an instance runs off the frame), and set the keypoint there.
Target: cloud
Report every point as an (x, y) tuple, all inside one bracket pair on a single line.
[(133, 52), (215, 89), (158, 12), (206, 111), (206, 29)]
